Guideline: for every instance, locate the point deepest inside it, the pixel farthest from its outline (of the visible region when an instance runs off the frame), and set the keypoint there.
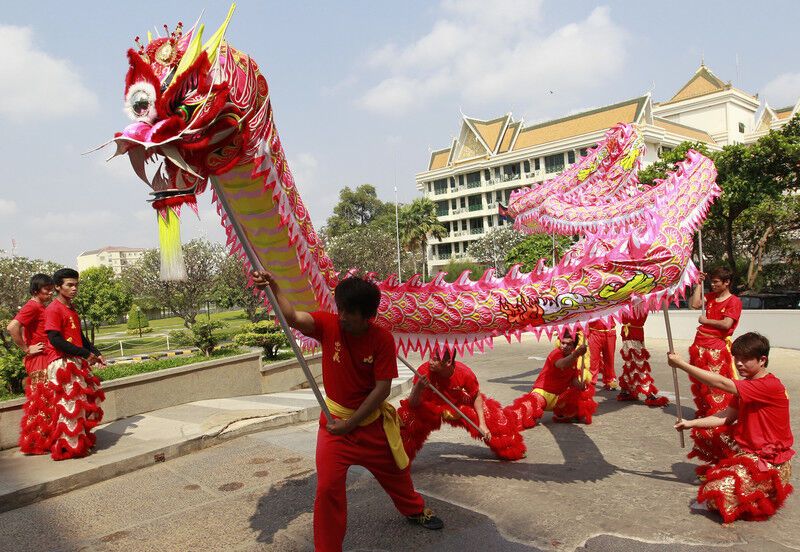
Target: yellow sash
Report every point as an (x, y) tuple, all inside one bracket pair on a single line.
[(391, 426)]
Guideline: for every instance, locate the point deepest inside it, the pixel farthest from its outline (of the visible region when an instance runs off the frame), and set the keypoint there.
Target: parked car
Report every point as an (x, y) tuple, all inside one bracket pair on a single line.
[(771, 300)]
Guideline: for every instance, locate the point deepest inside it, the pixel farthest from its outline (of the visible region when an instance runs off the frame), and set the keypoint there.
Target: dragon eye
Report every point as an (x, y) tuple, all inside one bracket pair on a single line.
[(140, 102)]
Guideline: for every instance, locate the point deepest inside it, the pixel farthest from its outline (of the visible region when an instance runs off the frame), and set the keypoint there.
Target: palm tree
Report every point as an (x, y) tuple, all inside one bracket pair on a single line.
[(419, 222)]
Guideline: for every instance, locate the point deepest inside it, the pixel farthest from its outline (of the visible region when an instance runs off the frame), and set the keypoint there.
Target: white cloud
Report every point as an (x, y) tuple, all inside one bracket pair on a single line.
[(7, 207), (34, 84), (481, 52), (783, 90)]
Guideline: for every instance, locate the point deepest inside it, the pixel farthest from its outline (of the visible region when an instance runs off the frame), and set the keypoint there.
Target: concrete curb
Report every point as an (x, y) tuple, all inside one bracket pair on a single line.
[(161, 453)]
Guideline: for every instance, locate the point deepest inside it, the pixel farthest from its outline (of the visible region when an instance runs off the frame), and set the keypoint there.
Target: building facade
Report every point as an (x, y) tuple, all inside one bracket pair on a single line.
[(118, 258), (491, 158)]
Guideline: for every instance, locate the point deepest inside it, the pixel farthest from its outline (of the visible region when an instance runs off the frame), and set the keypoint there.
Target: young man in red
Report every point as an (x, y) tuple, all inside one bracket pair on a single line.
[(602, 346), (358, 365), (711, 351), (70, 356), (561, 387), (750, 478), (424, 411), (27, 331)]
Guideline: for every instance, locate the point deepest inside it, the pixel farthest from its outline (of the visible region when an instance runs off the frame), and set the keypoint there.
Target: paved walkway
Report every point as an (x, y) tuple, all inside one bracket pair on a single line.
[(142, 440)]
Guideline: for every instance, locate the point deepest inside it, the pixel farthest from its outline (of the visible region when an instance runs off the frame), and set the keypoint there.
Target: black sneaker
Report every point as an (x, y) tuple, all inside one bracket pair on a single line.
[(426, 519)]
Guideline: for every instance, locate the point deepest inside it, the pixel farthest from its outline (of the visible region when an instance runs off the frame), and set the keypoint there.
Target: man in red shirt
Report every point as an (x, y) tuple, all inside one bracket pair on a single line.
[(423, 411), (27, 331), (561, 388), (358, 365), (602, 345), (711, 351), (70, 356), (750, 478)]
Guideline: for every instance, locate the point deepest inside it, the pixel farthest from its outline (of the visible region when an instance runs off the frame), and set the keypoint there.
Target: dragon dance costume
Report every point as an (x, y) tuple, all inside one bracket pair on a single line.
[(749, 479), (552, 392), (461, 388), (711, 351), (636, 375)]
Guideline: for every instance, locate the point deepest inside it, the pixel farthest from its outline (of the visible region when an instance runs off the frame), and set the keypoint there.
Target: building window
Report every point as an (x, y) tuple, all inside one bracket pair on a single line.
[(441, 209), (741, 128), (584, 152), (453, 203), (440, 186), (498, 196), (447, 227), (526, 166), (463, 202), (490, 221), (554, 163), (487, 175), (445, 250), (464, 224), (476, 226), (536, 164), (474, 180), (497, 172), (511, 171), (475, 203), (571, 157)]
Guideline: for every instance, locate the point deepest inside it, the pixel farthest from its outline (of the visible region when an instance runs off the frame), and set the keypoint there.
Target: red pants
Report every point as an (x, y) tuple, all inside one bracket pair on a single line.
[(601, 355), (364, 446)]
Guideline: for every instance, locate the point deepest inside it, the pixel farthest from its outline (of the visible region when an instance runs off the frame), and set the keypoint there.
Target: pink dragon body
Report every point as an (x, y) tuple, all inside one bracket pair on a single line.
[(206, 112)]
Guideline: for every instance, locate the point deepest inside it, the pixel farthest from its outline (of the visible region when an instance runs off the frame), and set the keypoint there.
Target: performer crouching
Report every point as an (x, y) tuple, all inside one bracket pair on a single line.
[(358, 365), (70, 356), (424, 411), (561, 387), (750, 478)]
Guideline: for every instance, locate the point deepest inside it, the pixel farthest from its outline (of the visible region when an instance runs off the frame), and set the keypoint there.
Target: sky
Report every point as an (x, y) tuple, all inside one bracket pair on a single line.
[(362, 91)]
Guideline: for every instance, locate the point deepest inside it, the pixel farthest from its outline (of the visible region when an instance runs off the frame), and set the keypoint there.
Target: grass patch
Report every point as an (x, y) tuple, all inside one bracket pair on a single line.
[(116, 371), (232, 319)]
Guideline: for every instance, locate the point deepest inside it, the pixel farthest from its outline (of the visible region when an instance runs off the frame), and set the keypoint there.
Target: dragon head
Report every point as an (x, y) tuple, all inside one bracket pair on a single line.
[(192, 106)]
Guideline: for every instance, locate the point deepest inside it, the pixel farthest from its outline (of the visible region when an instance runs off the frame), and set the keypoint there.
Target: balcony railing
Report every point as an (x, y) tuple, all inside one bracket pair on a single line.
[(474, 231), (508, 177), (459, 233), (476, 207), (458, 211), (492, 205)]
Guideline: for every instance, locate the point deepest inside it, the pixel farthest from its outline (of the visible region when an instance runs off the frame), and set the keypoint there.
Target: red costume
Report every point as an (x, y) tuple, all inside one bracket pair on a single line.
[(36, 421), (602, 344), (750, 478), (636, 376), (552, 391), (461, 388), (350, 367), (76, 391), (711, 351)]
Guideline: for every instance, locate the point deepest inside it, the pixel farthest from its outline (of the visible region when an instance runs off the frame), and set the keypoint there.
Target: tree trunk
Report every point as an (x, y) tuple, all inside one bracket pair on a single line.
[(757, 256), (423, 246), (729, 249)]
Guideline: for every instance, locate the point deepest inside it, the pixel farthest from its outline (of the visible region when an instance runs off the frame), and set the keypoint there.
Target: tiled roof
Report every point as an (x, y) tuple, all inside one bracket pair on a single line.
[(490, 130), (703, 82), (439, 159)]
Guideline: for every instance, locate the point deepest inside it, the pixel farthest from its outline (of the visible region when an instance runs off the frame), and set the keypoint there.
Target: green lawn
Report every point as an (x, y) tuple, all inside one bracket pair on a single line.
[(232, 319)]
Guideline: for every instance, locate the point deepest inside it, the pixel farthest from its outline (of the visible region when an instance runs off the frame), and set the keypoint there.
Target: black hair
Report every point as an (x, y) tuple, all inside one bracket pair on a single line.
[(355, 294), (39, 281), (444, 352), (751, 345), (723, 273), (62, 274)]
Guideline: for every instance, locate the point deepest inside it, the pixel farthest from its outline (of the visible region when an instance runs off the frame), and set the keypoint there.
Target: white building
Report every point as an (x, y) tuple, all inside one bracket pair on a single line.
[(116, 257), (489, 159)]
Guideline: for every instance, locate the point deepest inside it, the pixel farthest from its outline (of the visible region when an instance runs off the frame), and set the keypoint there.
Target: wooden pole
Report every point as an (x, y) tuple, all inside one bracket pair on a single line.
[(255, 262), (674, 371), (700, 247), (445, 399)]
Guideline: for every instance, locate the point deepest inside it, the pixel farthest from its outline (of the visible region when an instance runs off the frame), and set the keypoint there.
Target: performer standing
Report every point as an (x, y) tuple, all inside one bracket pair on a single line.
[(27, 331), (636, 375), (749, 479), (358, 365), (561, 387), (711, 351), (424, 411), (77, 394), (602, 346)]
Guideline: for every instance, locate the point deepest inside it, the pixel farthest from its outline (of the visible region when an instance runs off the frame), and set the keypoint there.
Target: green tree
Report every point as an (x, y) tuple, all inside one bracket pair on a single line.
[(369, 249), (137, 320), (668, 160), (265, 334), (535, 247), (102, 298), (356, 208), (493, 248), (455, 268), (419, 222), (203, 335), (231, 289), (183, 299)]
